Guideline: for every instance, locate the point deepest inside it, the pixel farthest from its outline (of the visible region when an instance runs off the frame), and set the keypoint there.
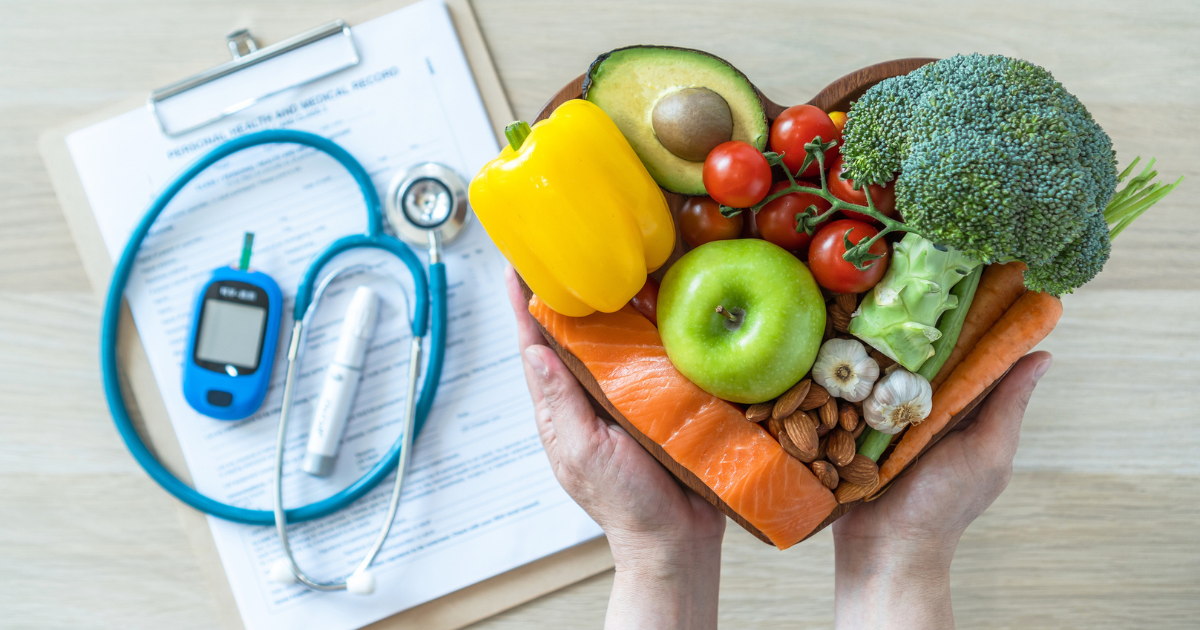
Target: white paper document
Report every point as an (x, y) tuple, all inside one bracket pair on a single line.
[(480, 498)]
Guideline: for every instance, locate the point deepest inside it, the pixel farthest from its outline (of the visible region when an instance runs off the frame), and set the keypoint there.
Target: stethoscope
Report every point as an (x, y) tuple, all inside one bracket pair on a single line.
[(426, 206)]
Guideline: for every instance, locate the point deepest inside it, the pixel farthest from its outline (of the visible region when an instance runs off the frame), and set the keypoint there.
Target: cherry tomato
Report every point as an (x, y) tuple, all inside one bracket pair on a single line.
[(884, 196), (777, 220), (839, 121), (736, 174), (834, 272), (645, 301), (795, 127), (701, 222)]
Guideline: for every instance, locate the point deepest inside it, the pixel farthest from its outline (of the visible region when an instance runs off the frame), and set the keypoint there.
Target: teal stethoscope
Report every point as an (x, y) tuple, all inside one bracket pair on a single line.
[(427, 206)]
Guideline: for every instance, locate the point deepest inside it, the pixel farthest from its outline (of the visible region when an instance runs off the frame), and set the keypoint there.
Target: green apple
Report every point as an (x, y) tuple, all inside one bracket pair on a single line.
[(742, 319)]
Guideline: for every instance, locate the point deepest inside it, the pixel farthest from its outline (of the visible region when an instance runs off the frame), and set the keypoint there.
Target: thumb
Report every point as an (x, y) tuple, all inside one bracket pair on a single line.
[(997, 431), (575, 423)]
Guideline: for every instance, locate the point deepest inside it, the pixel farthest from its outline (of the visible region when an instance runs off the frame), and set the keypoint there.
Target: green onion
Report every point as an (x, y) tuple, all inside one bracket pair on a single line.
[(950, 324)]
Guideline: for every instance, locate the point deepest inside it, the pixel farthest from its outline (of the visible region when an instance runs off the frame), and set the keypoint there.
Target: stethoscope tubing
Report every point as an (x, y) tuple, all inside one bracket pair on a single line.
[(431, 312), (295, 358)]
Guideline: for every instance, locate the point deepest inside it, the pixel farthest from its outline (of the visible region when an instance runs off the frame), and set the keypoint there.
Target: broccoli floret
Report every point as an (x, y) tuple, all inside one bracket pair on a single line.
[(1075, 264), (995, 159)]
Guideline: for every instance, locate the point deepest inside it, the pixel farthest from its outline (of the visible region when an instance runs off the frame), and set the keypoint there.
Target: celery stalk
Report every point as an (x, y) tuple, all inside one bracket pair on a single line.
[(872, 443), (875, 443), (950, 324)]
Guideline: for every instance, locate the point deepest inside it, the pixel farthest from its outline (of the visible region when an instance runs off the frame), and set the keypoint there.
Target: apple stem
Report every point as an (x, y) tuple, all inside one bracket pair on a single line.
[(730, 316)]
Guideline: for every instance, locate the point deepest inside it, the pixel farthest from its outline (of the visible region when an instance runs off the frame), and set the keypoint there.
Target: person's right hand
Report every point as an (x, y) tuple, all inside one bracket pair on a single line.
[(665, 539), (893, 554)]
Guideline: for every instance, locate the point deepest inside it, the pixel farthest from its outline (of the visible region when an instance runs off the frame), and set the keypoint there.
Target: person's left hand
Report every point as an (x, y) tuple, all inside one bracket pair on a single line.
[(665, 539)]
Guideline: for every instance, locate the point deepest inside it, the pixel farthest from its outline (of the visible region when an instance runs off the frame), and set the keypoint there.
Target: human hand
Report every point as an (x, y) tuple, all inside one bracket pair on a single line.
[(893, 554), (665, 539)]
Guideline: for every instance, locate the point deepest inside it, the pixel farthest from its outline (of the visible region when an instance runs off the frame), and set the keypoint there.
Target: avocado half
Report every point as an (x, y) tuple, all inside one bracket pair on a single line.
[(629, 83)]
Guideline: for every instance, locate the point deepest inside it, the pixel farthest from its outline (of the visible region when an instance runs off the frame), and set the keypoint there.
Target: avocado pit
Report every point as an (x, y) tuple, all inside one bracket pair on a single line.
[(691, 122)]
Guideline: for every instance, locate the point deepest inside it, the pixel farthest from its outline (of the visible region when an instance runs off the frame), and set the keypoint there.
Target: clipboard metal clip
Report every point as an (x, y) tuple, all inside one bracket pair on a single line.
[(246, 53)]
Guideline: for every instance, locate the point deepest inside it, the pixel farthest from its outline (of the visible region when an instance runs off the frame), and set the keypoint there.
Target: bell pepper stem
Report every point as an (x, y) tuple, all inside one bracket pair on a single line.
[(516, 134), (875, 443)]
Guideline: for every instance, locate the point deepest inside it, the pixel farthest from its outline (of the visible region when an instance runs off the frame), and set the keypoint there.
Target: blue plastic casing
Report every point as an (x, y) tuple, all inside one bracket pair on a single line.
[(226, 391)]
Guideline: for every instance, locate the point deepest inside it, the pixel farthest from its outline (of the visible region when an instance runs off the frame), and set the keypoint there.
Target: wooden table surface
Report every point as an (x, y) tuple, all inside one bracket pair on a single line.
[(1099, 528)]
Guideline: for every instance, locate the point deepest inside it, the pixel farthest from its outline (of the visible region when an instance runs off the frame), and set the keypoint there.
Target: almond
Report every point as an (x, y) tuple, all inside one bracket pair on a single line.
[(882, 359), (814, 397), (759, 412), (859, 429), (847, 416), (839, 317), (847, 301), (774, 427), (791, 449), (840, 450), (821, 447), (861, 470), (801, 429), (821, 430), (829, 413), (791, 399), (826, 473), (848, 492)]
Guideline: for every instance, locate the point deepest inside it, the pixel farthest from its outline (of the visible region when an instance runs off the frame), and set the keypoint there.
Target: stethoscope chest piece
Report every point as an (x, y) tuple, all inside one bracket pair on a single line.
[(429, 201)]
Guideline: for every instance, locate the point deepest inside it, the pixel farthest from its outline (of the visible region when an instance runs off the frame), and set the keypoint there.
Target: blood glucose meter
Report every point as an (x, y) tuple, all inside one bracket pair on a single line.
[(231, 344)]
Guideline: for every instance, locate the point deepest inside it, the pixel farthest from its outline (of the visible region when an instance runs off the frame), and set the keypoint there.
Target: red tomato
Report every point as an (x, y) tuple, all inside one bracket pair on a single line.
[(884, 196), (701, 222), (777, 220), (736, 174), (835, 273), (795, 127), (646, 300)]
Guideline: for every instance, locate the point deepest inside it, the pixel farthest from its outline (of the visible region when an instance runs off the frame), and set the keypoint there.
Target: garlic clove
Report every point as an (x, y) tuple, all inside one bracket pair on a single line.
[(899, 399), (845, 370)]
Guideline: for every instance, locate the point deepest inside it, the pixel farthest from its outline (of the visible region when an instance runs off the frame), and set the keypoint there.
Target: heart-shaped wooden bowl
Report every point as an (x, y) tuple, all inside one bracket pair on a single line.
[(837, 96)]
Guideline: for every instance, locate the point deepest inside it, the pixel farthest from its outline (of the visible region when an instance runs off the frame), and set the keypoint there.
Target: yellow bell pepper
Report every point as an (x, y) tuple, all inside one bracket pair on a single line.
[(573, 209)]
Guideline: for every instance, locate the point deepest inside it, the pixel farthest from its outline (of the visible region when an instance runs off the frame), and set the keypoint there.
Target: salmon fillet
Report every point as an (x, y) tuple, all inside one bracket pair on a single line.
[(737, 459)]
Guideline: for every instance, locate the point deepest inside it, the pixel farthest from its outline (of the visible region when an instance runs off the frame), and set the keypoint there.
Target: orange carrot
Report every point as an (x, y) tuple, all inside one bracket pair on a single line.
[(1030, 319), (999, 287)]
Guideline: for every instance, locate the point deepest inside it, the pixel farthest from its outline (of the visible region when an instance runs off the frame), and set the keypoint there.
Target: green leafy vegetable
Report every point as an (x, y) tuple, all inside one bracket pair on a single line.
[(899, 316), (995, 159)]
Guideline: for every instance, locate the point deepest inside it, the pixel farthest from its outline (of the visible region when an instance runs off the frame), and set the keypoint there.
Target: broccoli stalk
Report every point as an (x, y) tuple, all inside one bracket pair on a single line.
[(899, 316)]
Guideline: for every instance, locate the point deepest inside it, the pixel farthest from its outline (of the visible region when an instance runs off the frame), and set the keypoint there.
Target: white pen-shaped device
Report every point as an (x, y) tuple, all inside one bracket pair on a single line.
[(341, 382)]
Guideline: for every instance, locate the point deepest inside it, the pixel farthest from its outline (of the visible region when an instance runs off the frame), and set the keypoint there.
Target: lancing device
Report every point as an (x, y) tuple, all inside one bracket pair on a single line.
[(341, 382)]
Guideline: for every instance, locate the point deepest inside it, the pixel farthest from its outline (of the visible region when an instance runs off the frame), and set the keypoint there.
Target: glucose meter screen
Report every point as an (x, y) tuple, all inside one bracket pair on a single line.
[(231, 333)]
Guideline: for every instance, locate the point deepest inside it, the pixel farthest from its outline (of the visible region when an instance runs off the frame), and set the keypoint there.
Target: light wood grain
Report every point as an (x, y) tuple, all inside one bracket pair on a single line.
[(1097, 530)]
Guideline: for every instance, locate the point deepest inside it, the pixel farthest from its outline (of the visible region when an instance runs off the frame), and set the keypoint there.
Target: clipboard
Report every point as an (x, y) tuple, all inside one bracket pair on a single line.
[(455, 610)]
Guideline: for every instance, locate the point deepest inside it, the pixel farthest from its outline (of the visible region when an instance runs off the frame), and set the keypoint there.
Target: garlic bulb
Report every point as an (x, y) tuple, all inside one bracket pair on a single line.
[(844, 368), (901, 398)]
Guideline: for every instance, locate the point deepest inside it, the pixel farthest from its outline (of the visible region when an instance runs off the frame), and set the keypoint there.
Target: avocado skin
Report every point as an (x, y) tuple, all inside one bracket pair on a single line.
[(670, 171)]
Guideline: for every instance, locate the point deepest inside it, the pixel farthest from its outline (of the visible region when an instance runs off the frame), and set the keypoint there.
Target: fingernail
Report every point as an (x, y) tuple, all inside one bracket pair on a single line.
[(1041, 369), (535, 361)]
